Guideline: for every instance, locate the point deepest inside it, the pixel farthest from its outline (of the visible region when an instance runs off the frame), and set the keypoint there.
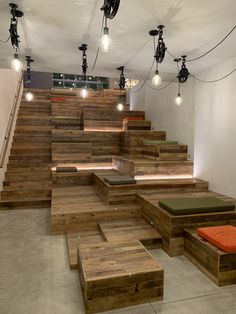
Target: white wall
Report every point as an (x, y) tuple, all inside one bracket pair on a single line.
[(177, 121), (8, 86), (215, 129)]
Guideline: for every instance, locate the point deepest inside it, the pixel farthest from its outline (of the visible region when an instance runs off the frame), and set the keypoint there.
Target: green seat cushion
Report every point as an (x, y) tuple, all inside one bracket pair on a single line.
[(182, 206), (119, 180), (153, 142), (66, 169)]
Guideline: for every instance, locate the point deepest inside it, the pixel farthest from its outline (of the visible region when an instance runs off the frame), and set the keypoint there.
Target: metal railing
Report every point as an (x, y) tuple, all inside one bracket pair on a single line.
[(10, 123)]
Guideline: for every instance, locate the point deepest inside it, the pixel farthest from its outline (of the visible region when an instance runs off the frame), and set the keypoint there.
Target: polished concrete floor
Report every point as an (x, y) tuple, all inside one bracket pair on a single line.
[(35, 277)]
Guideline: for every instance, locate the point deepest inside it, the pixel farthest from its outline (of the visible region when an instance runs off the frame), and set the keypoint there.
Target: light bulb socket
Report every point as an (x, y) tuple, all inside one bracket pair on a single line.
[(105, 31), (16, 56), (178, 95), (156, 72)]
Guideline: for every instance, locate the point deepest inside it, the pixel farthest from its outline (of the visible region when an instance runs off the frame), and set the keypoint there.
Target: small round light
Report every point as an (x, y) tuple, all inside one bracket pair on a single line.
[(29, 96), (178, 100), (84, 93), (120, 107)]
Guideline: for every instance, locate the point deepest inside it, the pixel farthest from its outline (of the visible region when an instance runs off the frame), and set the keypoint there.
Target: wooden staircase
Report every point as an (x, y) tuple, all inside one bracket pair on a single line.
[(28, 178)]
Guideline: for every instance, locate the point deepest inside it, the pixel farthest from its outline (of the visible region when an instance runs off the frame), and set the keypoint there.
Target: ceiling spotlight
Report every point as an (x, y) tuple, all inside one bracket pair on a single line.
[(16, 64), (120, 107), (29, 96), (156, 80), (183, 73), (178, 100), (84, 93)]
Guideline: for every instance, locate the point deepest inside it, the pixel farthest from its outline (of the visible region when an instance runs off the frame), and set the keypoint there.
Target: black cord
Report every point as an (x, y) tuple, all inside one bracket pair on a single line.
[(160, 88), (98, 48), (206, 53), (214, 81), (145, 81), (5, 41)]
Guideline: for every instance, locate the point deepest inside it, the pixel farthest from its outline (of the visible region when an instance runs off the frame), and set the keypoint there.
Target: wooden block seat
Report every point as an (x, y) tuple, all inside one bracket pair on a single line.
[(171, 227), (224, 237), (66, 169), (126, 119), (184, 206), (118, 274), (164, 150), (119, 180), (136, 125), (217, 265)]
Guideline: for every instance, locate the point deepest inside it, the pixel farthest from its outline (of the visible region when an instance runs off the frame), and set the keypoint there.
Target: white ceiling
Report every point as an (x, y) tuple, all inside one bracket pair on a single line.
[(52, 30)]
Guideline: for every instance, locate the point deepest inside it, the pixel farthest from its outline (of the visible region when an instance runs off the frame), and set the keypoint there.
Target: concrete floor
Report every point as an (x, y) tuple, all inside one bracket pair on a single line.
[(35, 276)]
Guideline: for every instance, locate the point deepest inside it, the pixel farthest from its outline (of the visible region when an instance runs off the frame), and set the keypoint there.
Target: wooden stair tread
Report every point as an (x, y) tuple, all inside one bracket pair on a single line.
[(128, 229)]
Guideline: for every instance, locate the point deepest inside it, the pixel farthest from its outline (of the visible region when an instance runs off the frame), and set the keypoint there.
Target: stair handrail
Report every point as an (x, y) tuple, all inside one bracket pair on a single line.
[(10, 122)]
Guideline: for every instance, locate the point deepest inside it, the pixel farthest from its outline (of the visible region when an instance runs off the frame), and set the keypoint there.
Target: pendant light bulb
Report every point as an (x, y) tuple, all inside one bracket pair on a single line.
[(178, 100), (84, 93), (156, 80), (16, 64), (120, 107), (29, 96), (105, 40)]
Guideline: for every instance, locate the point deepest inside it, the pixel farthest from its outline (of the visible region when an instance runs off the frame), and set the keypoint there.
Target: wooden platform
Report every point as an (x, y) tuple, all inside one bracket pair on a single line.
[(80, 208), (118, 194), (115, 275), (217, 265), (171, 227), (122, 230), (142, 167)]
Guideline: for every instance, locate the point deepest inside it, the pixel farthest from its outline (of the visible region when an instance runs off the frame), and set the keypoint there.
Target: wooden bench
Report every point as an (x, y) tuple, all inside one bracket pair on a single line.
[(118, 274), (217, 265)]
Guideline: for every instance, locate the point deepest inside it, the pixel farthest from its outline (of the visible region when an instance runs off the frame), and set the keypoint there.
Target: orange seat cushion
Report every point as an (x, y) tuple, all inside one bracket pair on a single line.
[(125, 120), (224, 237)]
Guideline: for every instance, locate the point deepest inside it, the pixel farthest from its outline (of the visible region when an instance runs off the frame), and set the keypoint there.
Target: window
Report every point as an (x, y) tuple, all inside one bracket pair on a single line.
[(62, 80)]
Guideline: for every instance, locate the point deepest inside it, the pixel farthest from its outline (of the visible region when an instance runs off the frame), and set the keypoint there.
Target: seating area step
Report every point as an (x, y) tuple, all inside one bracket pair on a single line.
[(29, 159), (31, 152), (14, 168), (129, 230), (171, 227), (139, 167), (115, 275), (218, 266), (80, 208), (127, 193), (25, 194), (36, 184)]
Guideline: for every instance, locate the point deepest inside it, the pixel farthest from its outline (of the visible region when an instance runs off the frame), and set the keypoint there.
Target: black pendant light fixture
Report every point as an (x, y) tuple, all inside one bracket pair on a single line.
[(15, 38), (29, 95), (159, 52), (110, 9), (84, 48), (183, 73), (122, 82)]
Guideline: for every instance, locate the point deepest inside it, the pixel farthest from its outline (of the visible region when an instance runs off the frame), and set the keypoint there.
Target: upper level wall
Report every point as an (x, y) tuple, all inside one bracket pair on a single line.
[(215, 129)]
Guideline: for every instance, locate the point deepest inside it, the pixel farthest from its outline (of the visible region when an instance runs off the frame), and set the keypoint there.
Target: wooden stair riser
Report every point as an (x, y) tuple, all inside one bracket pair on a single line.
[(27, 185)]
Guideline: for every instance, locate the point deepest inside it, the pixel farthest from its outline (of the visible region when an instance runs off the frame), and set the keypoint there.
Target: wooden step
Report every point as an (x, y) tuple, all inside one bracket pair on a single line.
[(30, 152), (25, 203), (33, 175), (27, 168), (28, 138), (76, 238), (33, 122), (29, 160), (67, 216), (29, 185), (30, 145), (25, 194), (131, 229)]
